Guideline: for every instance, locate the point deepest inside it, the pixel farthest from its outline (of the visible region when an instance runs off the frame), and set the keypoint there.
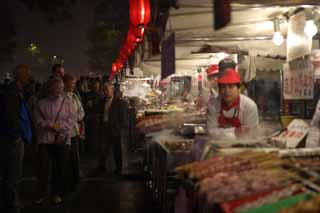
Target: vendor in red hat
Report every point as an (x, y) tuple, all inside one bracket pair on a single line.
[(231, 114), (212, 76), (209, 92)]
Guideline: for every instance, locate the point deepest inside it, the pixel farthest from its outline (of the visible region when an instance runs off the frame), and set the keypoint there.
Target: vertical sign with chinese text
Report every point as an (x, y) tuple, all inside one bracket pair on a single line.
[(298, 80)]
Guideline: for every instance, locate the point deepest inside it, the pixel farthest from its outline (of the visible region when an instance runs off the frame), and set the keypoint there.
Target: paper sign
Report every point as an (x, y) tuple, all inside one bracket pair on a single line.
[(294, 134), (298, 80)]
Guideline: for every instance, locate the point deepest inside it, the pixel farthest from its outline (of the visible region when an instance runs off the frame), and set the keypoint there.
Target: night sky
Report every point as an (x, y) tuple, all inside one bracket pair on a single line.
[(67, 40)]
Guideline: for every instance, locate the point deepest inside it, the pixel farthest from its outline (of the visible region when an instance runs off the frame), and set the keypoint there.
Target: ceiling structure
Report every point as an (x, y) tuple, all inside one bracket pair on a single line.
[(250, 31)]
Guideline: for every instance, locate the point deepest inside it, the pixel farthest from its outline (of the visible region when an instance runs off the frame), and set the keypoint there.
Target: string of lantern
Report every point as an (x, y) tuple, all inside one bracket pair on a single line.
[(139, 12)]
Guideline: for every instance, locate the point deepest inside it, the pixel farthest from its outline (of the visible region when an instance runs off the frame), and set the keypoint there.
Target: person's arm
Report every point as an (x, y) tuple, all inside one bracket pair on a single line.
[(80, 110), (212, 117), (42, 120), (251, 116), (250, 119)]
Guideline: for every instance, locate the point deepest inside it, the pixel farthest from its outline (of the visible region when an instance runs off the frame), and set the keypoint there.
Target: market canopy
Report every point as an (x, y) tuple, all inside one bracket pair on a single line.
[(250, 32)]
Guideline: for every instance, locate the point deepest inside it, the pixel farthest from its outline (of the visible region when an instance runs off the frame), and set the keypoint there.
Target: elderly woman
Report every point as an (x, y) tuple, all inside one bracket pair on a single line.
[(54, 121)]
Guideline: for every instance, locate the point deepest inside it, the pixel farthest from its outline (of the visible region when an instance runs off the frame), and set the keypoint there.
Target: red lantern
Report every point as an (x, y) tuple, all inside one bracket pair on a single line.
[(131, 38), (122, 58), (147, 13), (138, 32), (128, 48), (114, 67), (111, 76), (139, 12)]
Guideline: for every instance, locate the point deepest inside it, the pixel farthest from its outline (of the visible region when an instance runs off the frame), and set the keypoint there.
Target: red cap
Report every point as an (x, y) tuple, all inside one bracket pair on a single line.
[(163, 82), (213, 69), (230, 76)]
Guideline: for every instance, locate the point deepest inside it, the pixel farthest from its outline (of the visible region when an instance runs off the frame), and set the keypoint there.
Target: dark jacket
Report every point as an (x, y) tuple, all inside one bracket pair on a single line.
[(10, 111), (116, 116), (92, 103)]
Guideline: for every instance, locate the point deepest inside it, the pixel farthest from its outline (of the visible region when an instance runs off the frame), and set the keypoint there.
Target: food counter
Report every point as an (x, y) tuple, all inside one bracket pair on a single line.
[(247, 180), (169, 138)]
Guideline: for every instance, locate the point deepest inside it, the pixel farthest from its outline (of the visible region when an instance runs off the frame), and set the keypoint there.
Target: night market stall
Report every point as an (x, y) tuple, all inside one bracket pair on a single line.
[(273, 44), (267, 40)]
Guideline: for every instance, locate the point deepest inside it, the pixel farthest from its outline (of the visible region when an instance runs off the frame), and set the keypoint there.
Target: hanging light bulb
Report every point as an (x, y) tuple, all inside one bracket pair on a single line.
[(277, 37), (310, 29)]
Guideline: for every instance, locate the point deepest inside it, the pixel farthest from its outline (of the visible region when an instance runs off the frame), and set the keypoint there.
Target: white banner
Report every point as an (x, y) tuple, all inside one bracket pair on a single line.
[(298, 80), (298, 43)]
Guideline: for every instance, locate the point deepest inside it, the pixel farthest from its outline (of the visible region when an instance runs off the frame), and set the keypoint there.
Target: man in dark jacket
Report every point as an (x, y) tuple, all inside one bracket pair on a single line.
[(15, 127), (92, 106), (111, 127), (115, 121)]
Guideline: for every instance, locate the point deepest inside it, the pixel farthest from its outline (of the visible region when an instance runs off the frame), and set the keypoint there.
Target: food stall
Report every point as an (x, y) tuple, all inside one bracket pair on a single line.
[(263, 38)]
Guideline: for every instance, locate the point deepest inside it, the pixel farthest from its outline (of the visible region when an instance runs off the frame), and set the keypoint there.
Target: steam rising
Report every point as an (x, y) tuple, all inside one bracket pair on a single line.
[(136, 89)]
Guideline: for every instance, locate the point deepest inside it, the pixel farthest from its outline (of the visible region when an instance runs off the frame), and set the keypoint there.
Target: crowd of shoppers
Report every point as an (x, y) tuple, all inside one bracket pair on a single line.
[(60, 119)]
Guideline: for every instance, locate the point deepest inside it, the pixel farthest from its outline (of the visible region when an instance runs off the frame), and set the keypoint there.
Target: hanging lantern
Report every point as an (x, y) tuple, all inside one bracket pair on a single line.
[(111, 76), (122, 58), (114, 67), (135, 12), (147, 13), (131, 38), (139, 12), (138, 32), (128, 48)]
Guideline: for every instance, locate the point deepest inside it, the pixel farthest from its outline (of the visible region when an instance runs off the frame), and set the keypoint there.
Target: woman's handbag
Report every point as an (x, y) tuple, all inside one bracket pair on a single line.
[(59, 139)]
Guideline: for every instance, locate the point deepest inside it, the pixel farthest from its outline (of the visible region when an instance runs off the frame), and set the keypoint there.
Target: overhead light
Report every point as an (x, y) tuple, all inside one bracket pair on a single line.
[(310, 29), (277, 37)]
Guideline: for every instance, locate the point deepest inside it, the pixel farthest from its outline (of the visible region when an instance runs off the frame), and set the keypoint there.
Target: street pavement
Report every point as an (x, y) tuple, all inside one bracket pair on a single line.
[(97, 192)]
